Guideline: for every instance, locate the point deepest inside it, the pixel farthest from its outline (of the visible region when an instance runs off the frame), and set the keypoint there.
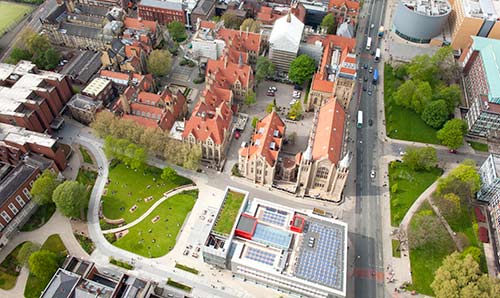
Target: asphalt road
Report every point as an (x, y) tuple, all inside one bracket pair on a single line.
[(367, 236)]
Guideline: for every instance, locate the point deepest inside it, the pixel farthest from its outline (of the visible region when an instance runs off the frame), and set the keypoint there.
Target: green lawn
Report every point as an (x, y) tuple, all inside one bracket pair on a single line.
[(12, 13), (426, 259), (86, 155), (39, 218), (154, 240), (395, 249), (479, 146), (410, 184), (128, 188), (35, 285), (8, 269), (402, 123), (227, 215)]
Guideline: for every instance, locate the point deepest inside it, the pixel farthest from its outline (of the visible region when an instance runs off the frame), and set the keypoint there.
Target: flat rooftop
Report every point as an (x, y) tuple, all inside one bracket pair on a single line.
[(482, 9), (96, 86), (489, 50), (429, 7), (21, 136)]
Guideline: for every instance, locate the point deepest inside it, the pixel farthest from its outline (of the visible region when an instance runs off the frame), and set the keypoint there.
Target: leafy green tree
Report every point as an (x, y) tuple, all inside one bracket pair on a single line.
[(231, 21), (436, 113), (463, 181), (420, 158), (255, 120), (271, 106), (461, 277), (422, 68), (302, 69), (403, 96), (295, 111), (328, 23), (452, 133), (177, 31), (251, 25), (71, 199), (43, 264), (450, 205), (450, 94), (19, 54), (421, 97), (264, 68), (193, 158), (168, 174), (125, 151), (36, 43), (423, 222), (26, 250), (400, 71), (445, 62), (250, 98), (44, 187), (159, 62), (474, 252)]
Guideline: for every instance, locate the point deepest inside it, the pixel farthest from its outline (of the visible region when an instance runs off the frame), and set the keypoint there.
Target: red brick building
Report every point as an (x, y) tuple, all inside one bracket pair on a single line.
[(16, 142), (32, 98), (344, 9), (162, 11)]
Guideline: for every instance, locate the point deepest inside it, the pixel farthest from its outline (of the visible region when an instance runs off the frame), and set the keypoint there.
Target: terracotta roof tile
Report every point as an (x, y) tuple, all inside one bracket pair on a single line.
[(349, 4), (329, 132), (240, 40), (138, 24)]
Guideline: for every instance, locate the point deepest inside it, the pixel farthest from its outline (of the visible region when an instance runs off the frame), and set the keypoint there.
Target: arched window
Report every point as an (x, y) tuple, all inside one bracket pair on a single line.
[(322, 173)]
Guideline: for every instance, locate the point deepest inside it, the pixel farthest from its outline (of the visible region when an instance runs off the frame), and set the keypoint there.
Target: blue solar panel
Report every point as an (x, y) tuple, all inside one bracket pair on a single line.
[(273, 216), (322, 264), (260, 256), (272, 236)]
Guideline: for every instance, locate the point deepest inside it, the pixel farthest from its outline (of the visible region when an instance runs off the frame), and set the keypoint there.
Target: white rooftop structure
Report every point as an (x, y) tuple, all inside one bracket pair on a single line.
[(96, 86), (482, 9), (23, 136), (429, 7), (286, 34)]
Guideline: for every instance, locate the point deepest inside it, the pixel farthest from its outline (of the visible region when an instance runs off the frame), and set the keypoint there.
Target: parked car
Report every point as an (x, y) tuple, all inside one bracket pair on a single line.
[(452, 151), (372, 174), (371, 69), (237, 134), (370, 122), (273, 88), (270, 93), (298, 87), (365, 66)]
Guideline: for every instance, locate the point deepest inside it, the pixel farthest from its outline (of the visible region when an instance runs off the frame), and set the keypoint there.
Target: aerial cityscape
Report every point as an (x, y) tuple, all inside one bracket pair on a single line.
[(249, 148)]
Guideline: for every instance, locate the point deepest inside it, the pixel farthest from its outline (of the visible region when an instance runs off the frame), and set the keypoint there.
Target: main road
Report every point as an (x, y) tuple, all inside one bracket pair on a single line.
[(367, 236)]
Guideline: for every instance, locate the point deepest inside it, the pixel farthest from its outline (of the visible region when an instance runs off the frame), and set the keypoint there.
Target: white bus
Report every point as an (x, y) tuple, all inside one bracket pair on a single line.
[(368, 43), (360, 119), (377, 55)]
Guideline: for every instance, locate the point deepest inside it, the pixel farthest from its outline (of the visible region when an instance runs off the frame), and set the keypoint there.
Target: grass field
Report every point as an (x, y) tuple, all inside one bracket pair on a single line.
[(479, 146), (402, 123), (35, 285), (86, 155), (410, 184), (8, 273), (12, 13), (395, 249), (229, 211), (128, 188), (426, 259), (153, 240)]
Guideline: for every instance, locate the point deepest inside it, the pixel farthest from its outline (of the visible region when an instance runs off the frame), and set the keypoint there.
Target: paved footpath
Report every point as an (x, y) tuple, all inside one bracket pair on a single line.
[(58, 224)]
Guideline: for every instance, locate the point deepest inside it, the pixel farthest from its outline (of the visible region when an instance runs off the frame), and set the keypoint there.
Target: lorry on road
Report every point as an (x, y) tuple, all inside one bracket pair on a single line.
[(368, 43), (377, 55)]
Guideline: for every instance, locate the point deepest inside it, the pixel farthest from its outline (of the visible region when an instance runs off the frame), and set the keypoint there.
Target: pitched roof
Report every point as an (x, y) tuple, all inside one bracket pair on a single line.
[(208, 122), (229, 73), (267, 139), (349, 4), (287, 33), (207, 24), (140, 24), (240, 40), (329, 133)]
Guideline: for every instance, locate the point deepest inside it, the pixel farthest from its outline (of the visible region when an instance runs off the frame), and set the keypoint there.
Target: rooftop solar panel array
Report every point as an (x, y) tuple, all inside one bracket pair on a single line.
[(272, 236), (324, 263), (260, 256), (273, 216)]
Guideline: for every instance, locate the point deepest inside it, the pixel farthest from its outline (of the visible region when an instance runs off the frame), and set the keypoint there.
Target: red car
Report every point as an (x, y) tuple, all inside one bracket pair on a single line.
[(237, 134), (452, 151)]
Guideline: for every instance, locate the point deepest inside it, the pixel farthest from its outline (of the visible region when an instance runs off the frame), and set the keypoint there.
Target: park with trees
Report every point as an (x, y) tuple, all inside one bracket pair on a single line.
[(453, 203), (37, 48), (420, 98)]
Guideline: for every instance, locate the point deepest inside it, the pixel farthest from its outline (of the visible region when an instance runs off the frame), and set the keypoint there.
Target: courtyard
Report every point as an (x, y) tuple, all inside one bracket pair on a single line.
[(130, 193)]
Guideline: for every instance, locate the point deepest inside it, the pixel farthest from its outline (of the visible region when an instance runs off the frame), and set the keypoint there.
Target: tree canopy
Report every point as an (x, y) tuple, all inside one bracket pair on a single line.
[(302, 69), (168, 174), (37, 48), (129, 153), (71, 198), (159, 62), (452, 133), (44, 187), (177, 31), (43, 264), (436, 113), (328, 23), (251, 25), (420, 158), (250, 98), (271, 106), (460, 277), (231, 21), (264, 68), (463, 181), (295, 111), (26, 250)]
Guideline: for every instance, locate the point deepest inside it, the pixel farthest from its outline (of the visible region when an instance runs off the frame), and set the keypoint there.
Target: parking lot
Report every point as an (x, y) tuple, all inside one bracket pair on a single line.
[(182, 73)]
